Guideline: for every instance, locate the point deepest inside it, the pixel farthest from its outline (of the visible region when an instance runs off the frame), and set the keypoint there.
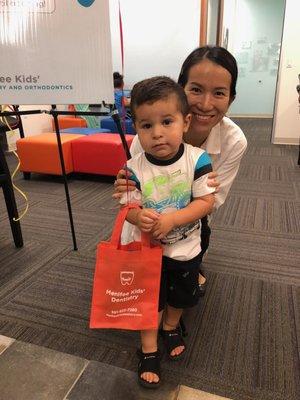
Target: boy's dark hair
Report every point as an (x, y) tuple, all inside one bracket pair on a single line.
[(216, 54), (154, 89), (118, 80)]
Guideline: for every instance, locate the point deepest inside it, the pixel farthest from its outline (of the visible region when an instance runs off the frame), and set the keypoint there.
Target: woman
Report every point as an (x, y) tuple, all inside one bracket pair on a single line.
[(208, 76)]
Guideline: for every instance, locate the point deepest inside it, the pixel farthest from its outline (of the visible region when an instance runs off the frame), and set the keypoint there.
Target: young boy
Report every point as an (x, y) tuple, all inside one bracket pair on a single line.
[(171, 181)]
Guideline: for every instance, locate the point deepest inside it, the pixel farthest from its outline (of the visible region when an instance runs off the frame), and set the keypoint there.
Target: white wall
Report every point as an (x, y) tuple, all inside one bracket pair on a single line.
[(286, 126), (158, 35)]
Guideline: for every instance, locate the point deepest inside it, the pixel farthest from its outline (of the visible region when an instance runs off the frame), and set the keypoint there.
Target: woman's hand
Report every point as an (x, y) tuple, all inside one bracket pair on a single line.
[(212, 181), (163, 226), (146, 218), (121, 185)]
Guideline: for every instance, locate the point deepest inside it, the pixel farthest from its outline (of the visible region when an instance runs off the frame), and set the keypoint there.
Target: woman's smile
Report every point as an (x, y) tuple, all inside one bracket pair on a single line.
[(202, 117)]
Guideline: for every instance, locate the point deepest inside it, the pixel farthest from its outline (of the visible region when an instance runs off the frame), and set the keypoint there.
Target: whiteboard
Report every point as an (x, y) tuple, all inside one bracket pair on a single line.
[(55, 52)]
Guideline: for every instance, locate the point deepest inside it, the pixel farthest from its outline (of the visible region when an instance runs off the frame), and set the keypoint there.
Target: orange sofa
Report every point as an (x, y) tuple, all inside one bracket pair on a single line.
[(65, 122), (99, 153), (40, 153)]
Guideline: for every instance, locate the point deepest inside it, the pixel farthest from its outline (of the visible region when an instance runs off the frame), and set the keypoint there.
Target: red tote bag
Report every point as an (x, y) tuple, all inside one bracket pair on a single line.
[(126, 282)]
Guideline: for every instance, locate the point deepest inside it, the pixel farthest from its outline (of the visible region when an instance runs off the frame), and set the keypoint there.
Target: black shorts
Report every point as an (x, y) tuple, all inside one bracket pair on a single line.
[(179, 285)]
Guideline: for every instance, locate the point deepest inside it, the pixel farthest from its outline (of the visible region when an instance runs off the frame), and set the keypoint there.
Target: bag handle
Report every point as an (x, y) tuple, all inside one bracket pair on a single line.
[(116, 233)]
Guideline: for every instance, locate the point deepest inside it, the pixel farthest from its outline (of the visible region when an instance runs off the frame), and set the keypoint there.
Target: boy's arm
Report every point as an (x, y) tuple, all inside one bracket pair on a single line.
[(143, 218), (198, 208), (132, 215)]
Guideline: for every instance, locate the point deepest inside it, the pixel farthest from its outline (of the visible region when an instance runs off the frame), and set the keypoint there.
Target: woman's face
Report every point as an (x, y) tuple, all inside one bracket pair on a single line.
[(208, 93)]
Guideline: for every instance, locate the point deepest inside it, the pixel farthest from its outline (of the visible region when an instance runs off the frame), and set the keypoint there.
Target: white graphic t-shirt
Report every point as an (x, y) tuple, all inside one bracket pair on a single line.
[(168, 185)]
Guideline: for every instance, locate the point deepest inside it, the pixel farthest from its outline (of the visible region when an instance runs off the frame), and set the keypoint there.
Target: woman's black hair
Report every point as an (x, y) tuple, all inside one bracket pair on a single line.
[(217, 55), (118, 80)]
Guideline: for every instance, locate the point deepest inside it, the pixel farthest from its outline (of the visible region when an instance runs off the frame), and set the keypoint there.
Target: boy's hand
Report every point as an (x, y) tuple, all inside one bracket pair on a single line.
[(146, 219), (163, 225)]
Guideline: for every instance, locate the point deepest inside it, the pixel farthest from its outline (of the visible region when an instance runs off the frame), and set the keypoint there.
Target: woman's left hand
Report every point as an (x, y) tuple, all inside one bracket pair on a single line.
[(212, 181)]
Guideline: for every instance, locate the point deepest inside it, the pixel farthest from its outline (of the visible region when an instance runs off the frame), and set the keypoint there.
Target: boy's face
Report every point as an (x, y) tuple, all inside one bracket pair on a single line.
[(160, 127)]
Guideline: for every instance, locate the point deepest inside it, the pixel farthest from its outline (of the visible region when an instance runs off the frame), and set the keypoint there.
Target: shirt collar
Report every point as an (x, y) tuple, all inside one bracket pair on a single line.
[(212, 144), (171, 161)]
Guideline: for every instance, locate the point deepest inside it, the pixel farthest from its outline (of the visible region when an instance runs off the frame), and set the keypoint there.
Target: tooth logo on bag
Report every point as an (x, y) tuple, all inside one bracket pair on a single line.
[(126, 277), (86, 3)]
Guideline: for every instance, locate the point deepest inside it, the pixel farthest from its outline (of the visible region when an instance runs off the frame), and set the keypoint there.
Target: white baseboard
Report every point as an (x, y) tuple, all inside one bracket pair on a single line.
[(292, 141)]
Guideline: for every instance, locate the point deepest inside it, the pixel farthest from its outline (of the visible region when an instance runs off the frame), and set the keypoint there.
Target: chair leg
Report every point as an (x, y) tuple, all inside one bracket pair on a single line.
[(12, 213), (10, 200), (26, 176)]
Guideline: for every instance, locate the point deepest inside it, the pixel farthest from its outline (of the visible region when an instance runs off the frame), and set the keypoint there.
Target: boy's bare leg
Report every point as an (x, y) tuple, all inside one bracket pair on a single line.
[(149, 345), (170, 321), (202, 279)]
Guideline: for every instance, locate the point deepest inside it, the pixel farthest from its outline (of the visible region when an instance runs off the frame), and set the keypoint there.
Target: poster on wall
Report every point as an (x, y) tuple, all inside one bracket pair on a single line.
[(55, 52)]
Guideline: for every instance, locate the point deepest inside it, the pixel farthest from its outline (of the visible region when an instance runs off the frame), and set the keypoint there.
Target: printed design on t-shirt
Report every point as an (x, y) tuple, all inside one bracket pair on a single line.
[(167, 193)]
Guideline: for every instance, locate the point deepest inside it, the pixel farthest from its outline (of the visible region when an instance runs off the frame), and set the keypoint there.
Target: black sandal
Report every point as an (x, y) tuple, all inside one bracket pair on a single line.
[(149, 362), (173, 339)]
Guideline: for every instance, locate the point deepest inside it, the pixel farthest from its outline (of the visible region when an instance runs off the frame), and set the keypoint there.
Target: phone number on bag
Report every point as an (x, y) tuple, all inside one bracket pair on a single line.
[(124, 310)]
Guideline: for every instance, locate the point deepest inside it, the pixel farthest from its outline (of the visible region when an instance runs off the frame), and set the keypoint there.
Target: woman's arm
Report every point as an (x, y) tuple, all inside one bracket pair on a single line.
[(228, 170)]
